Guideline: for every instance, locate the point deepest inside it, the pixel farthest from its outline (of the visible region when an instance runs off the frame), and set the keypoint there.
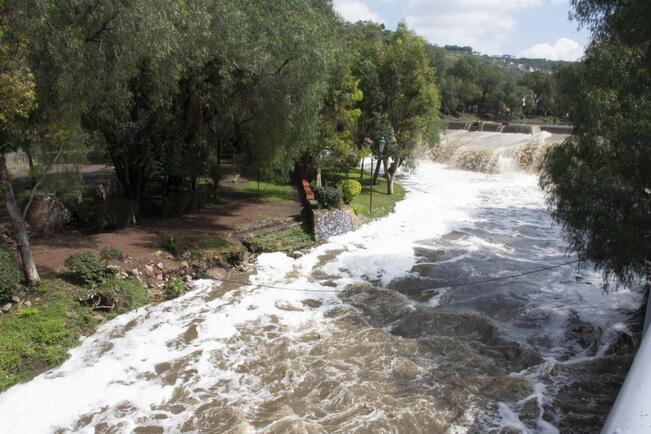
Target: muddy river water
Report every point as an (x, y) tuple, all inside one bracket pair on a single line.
[(369, 333)]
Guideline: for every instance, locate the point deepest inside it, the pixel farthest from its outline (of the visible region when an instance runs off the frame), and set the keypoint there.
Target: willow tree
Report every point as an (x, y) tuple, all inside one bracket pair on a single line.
[(287, 51), (599, 181), (17, 101), (40, 111), (411, 100)]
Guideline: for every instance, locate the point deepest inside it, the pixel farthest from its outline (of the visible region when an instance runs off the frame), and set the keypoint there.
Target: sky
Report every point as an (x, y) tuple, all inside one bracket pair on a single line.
[(525, 28)]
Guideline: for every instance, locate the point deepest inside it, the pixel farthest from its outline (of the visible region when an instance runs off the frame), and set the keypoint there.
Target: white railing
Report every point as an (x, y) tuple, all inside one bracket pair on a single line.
[(631, 413)]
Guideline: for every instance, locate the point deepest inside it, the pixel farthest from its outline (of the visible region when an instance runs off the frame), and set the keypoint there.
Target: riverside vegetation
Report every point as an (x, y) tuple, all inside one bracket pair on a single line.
[(254, 88)]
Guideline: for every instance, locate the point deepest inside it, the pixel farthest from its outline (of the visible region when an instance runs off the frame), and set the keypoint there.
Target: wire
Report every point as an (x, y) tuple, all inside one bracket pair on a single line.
[(452, 285)]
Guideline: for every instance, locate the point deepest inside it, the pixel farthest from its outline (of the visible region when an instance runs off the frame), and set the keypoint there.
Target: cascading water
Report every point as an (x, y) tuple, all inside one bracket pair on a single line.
[(490, 152), (368, 336)]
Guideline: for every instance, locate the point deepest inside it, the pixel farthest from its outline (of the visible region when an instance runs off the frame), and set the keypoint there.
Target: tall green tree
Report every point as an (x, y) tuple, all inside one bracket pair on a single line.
[(335, 148), (599, 181), (411, 100), (17, 101), (38, 117)]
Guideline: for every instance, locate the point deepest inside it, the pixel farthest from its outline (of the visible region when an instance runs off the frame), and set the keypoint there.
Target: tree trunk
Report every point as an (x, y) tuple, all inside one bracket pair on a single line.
[(376, 174), (361, 171), (20, 228), (318, 177), (32, 169), (391, 174)]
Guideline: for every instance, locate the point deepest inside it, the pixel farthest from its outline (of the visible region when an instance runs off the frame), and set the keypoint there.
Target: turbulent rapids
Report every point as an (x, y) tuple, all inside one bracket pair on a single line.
[(371, 332)]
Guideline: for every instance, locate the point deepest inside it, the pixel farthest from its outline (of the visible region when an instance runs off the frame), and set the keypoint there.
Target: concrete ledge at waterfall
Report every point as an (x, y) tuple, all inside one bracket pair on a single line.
[(509, 128)]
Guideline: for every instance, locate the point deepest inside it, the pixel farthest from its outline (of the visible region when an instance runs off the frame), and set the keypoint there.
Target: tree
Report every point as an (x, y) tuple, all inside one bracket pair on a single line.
[(17, 101), (411, 100), (599, 181), (335, 148), (368, 43)]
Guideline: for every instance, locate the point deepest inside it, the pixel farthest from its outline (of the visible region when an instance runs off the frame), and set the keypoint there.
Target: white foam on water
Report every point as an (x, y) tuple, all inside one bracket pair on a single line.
[(122, 362)]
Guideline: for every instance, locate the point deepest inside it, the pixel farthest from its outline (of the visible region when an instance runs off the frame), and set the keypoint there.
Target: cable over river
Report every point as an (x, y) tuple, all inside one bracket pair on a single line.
[(541, 353)]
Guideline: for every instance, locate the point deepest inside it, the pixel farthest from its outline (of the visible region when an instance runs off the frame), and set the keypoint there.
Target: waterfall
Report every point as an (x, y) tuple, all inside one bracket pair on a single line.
[(491, 151)]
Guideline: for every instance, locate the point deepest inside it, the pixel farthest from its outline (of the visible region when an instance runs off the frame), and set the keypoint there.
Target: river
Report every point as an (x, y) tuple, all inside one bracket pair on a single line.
[(370, 332)]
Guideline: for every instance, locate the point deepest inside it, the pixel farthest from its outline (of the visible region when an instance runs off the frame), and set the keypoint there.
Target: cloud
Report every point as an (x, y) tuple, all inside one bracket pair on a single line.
[(356, 10), (563, 49), (485, 25)]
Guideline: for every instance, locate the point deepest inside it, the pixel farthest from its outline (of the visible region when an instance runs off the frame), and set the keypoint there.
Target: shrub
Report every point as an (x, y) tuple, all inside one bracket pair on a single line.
[(101, 214), (172, 244), (174, 288), (350, 189), (111, 254), (86, 268), (116, 295), (328, 197), (10, 274)]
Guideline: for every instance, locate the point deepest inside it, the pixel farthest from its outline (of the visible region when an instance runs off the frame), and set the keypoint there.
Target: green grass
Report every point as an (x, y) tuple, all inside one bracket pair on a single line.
[(268, 191), (284, 240), (383, 203), (34, 339), (218, 244)]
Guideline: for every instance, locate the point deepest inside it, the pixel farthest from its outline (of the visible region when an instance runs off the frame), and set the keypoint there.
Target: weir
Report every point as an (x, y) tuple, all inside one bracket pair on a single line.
[(508, 127), (494, 152)]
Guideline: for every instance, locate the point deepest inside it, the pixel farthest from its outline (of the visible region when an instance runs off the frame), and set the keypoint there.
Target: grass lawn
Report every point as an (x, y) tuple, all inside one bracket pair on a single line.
[(383, 204), (285, 240), (36, 338), (268, 191)]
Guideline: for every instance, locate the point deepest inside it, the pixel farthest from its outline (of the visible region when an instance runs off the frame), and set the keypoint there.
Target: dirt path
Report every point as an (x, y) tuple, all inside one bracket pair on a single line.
[(144, 241)]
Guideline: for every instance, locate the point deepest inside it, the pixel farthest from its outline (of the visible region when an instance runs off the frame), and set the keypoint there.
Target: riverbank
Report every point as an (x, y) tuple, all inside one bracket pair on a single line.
[(364, 332), (39, 326)]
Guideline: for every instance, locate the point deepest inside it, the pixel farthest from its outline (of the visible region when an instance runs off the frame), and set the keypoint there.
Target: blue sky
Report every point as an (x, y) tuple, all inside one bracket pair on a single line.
[(531, 28)]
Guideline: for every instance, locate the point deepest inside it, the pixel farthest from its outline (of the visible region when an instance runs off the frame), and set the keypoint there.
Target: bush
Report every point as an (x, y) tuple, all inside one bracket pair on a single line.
[(328, 197), (86, 268), (115, 296), (101, 214), (10, 274), (111, 254), (172, 244), (174, 288), (350, 189)]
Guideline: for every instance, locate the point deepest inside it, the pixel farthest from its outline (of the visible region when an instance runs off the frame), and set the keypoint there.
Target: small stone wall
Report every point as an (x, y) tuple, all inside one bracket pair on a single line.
[(457, 125), (557, 129), (331, 222), (521, 129)]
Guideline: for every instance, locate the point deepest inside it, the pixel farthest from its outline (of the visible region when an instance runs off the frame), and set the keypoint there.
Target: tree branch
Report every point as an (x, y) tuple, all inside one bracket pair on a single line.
[(103, 28), (38, 183)]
